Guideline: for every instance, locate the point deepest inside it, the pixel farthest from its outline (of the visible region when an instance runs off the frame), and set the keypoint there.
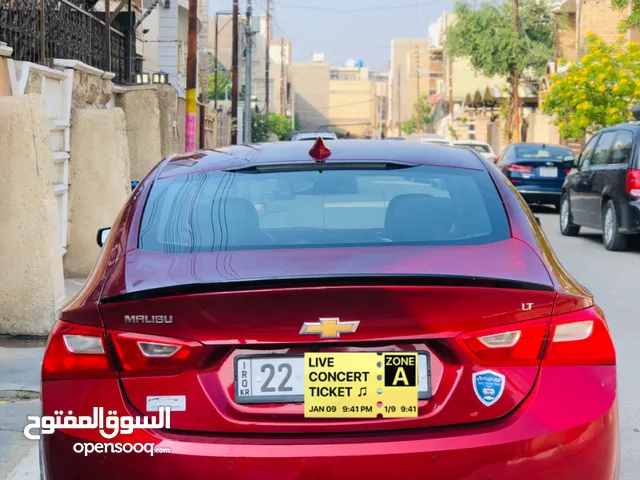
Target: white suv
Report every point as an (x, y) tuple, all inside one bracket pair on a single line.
[(482, 148)]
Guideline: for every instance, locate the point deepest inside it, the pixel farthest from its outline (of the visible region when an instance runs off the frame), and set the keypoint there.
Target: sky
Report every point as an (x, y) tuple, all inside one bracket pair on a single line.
[(346, 29)]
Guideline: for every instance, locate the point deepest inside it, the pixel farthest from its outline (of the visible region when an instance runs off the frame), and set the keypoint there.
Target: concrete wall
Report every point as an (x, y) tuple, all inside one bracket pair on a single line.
[(99, 182), (142, 113), (542, 130), (90, 90), (311, 86), (5, 80), (351, 106), (30, 253)]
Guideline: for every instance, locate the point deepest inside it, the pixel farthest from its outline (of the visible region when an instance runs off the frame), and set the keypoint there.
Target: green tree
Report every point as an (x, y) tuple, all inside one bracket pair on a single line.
[(259, 128), (598, 90), (224, 81), (426, 116), (279, 125), (263, 126), (409, 126), (633, 20), (484, 33)]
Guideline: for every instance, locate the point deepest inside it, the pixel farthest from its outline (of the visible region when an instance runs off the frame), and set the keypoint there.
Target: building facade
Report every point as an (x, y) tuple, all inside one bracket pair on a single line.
[(409, 79), (349, 100)]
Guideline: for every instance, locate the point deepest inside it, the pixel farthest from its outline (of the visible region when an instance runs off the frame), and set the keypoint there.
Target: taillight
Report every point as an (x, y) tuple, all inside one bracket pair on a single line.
[(580, 338), (514, 344), (567, 171), (577, 338), (633, 183), (142, 355), (520, 168), (78, 351), (75, 351)]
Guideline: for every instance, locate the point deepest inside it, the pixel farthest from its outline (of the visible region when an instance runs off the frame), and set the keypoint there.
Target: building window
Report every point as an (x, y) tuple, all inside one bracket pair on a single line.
[(436, 75)]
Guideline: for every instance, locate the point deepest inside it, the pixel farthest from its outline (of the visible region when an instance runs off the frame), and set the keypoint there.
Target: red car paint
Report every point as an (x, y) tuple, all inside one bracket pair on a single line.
[(556, 419)]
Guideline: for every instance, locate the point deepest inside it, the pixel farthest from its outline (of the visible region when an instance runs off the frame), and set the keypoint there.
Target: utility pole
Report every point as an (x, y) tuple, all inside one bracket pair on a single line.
[(399, 105), (282, 85), (557, 52), (215, 68), (380, 107), (450, 62), (234, 73), (516, 74), (418, 119), (267, 60), (192, 77), (248, 76)]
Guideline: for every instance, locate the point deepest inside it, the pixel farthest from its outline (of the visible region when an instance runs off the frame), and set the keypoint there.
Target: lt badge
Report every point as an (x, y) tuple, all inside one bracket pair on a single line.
[(489, 386)]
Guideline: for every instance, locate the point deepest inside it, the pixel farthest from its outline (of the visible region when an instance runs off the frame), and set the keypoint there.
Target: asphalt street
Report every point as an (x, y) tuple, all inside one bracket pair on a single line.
[(611, 276)]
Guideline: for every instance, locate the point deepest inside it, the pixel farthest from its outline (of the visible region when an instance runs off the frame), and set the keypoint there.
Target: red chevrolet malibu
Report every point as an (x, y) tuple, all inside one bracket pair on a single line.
[(251, 291)]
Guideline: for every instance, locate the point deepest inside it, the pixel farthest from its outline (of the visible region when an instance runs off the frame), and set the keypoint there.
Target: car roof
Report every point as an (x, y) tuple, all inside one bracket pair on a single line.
[(627, 125), (469, 142), (540, 145), (342, 150)]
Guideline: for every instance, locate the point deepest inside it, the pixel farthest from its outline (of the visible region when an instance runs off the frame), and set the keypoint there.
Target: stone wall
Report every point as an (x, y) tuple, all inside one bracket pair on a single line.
[(72, 142), (142, 112), (30, 253), (99, 182), (170, 141)]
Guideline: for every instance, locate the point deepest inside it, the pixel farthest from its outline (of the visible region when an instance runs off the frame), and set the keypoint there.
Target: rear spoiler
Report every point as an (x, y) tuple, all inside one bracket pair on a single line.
[(327, 281)]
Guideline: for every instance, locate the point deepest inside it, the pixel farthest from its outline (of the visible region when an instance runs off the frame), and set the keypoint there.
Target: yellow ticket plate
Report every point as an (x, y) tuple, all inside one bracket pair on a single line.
[(360, 385)]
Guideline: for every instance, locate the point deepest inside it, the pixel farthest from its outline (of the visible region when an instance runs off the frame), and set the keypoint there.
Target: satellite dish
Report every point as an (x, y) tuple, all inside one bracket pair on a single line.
[(351, 63)]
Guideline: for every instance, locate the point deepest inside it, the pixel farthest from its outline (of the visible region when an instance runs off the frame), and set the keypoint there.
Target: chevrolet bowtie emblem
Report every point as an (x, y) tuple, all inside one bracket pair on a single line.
[(329, 327)]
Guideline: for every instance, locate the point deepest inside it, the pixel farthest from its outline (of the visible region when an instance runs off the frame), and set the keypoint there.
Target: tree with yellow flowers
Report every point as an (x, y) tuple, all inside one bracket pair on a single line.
[(598, 90)]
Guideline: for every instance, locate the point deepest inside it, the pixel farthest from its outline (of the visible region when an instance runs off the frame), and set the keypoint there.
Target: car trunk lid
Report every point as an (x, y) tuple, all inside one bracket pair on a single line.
[(234, 307)]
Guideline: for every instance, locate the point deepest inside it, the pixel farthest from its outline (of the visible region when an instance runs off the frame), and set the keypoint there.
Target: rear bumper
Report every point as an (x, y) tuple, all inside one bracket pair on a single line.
[(540, 196), (567, 428), (630, 218)]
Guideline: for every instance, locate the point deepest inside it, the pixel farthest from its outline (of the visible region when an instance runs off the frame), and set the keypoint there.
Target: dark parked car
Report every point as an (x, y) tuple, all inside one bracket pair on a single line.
[(537, 170), (603, 190)]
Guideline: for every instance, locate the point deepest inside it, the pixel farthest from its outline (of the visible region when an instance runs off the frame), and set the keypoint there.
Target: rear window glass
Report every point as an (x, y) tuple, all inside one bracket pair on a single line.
[(220, 211), (546, 153), (477, 148)]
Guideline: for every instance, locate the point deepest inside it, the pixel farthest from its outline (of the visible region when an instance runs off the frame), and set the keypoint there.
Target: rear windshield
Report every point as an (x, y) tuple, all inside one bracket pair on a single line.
[(220, 211), (542, 153), (477, 148)]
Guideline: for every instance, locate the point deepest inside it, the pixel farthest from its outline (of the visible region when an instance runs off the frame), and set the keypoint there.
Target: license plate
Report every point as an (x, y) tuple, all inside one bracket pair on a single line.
[(548, 172), (281, 378)]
